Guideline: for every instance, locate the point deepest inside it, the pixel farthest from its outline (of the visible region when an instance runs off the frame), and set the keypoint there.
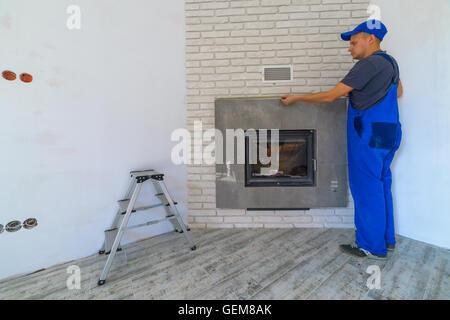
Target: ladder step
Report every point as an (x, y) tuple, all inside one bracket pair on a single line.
[(110, 236), (147, 173), (123, 204), (140, 173), (167, 218), (163, 199)]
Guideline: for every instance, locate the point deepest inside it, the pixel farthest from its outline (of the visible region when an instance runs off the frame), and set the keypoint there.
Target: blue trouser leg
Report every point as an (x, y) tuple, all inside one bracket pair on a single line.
[(370, 211), (389, 235), (387, 180)]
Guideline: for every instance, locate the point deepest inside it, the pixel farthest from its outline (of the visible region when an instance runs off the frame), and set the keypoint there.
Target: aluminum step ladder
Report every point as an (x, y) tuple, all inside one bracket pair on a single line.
[(128, 205)]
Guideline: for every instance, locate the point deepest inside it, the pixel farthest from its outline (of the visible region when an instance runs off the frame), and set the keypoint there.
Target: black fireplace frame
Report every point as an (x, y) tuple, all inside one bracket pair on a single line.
[(308, 181)]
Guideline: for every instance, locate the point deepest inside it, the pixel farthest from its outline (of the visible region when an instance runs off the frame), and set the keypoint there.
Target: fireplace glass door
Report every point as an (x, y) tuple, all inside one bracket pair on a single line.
[(290, 162)]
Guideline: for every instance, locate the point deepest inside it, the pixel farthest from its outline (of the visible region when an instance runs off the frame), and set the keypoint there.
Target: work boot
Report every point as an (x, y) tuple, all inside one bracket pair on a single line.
[(356, 251)]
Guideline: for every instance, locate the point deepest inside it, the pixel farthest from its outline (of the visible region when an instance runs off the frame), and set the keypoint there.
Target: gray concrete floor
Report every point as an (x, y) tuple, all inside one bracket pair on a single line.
[(245, 264)]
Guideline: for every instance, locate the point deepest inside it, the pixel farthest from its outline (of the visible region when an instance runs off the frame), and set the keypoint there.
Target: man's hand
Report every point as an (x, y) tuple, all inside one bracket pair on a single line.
[(288, 99)]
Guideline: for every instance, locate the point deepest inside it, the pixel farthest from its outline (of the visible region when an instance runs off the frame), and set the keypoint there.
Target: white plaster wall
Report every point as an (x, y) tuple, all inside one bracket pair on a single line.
[(419, 37), (104, 101)]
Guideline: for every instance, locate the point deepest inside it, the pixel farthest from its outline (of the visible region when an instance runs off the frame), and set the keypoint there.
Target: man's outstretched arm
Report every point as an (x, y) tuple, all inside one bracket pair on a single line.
[(326, 96)]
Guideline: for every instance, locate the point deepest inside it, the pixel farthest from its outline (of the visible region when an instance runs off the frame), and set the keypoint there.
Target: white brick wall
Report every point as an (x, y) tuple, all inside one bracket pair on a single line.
[(227, 42)]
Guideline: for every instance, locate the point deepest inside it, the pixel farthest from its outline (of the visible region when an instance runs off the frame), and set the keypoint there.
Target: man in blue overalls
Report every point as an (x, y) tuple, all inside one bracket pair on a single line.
[(373, 136)]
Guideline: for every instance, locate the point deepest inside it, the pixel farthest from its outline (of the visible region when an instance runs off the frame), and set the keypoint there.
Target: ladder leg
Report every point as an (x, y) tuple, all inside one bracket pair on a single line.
[(177, 215), (119, 215), (120, 234), (168, 211)]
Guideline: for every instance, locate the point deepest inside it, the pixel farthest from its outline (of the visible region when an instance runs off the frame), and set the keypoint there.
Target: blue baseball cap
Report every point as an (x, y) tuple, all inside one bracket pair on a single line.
[(375, 27)]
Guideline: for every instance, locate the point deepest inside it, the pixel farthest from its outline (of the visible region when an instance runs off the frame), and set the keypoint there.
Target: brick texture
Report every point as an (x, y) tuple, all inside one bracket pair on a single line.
[(227, 43)]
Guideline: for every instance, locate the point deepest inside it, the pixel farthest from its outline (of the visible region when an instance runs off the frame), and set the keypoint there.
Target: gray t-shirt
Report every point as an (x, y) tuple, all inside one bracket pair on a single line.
[(371, 78)]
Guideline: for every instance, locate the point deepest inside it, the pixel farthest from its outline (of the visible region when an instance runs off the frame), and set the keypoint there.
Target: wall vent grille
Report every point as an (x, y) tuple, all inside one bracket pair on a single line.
[(277, 73)]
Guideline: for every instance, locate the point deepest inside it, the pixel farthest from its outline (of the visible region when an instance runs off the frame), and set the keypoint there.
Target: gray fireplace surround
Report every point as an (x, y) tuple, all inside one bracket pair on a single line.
[(329, 122)]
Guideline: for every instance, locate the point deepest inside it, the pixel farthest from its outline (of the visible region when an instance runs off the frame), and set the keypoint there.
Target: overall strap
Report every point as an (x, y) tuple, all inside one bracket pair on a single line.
[(394, 64)]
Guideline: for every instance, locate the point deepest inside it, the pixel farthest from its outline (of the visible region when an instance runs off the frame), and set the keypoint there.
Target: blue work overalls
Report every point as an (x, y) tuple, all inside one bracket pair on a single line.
[(373, 137)]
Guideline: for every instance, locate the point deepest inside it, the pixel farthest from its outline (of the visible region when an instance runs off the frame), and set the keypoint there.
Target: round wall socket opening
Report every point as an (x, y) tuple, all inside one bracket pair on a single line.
[(13, 226), (30, 223)]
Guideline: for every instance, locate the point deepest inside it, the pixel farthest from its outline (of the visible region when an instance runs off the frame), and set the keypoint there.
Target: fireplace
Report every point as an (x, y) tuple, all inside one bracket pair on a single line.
[(294, 164), (311, 149)]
